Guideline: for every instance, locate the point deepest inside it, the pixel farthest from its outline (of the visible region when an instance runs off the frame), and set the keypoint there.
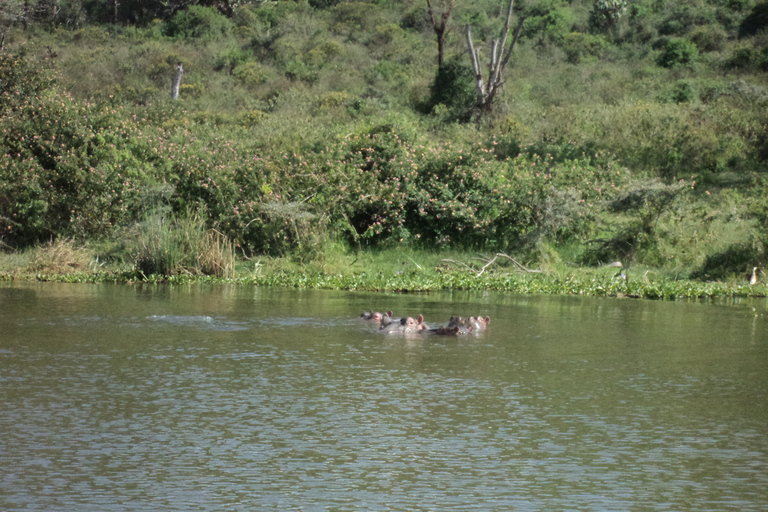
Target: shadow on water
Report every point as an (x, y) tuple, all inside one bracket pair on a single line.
[(239, 398)]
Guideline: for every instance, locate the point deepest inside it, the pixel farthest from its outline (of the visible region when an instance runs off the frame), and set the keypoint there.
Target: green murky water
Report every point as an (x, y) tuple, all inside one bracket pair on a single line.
[(236, 398)]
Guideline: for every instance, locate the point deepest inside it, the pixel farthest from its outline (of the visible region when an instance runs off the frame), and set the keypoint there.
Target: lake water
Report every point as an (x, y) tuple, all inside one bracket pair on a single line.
[(175, 398)]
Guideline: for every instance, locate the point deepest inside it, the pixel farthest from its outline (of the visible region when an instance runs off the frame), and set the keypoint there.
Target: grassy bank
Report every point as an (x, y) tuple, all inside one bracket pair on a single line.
[(398, 270)]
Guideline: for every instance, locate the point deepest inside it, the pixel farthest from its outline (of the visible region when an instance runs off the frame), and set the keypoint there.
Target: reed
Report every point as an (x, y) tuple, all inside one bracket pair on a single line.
[(182, 246)]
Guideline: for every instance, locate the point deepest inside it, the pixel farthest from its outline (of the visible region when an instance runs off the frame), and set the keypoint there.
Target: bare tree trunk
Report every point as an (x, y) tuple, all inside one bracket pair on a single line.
[(115, 6), (176, 84), (500, 54), (474, 54), (440, 26)]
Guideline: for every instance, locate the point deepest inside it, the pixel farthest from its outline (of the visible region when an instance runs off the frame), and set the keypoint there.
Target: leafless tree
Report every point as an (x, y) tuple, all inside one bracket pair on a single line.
[(500, 54), (439, 21)]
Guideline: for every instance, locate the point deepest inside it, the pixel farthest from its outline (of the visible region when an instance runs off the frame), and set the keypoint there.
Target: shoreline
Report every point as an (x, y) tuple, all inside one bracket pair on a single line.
[(578, 282)]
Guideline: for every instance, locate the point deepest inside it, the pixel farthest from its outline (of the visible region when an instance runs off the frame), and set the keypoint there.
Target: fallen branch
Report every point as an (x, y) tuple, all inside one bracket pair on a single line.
[(519, 266)]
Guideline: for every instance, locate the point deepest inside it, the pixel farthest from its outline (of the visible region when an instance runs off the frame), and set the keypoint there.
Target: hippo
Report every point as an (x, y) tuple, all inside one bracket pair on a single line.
[(375, 316), (477, 323), (452, 330), (406, 325)]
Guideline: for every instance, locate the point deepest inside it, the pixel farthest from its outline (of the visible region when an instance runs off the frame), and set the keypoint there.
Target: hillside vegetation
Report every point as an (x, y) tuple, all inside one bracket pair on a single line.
[(320, 131)]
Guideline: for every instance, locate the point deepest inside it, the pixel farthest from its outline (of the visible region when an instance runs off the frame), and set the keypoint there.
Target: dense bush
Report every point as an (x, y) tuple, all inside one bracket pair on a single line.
[(205, 23), (67, 168), (444, 195), (709, 38), (578, 46), (454, 88), (678, 52)]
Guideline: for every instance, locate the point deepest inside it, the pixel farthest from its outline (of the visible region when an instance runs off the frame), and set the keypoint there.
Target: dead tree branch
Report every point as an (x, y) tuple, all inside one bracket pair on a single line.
[(500, 55)]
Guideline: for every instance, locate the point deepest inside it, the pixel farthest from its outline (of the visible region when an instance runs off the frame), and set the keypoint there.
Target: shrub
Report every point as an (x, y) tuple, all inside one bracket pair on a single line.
[(251, 74), (578, 46), (681, 92), (67, 169), (454, 87), (23, 79), (709, 38), (682, 17), (744, 57), (678, 52), (198, 22), (724, 264), (232, 58), (250, 118), (356, 19), (298, 71), (334, 99), (547, 22)]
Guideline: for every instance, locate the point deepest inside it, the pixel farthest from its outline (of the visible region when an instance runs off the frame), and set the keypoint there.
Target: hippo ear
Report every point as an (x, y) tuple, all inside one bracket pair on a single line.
[(470, 328), (487, 320), (420, 319), (389, 314)]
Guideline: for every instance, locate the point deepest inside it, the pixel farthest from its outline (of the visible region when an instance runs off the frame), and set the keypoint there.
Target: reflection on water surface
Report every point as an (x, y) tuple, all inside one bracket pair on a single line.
[(236, 398)]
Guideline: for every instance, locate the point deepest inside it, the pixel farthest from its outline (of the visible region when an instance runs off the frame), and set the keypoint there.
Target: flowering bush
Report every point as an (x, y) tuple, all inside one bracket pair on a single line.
[(67, 168)]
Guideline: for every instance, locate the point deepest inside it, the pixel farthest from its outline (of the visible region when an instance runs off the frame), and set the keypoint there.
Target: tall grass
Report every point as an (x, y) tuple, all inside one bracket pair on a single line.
[(180, 246)]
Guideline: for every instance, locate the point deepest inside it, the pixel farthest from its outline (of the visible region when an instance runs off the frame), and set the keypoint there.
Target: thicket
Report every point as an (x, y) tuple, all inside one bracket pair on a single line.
[(635, 131)]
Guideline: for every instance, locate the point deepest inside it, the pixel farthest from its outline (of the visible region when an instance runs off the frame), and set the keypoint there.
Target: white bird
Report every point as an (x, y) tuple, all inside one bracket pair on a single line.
[(753, 279)]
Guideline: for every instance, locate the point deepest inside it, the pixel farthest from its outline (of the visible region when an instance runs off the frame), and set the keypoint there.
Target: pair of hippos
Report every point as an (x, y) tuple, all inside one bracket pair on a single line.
[(456, 326)]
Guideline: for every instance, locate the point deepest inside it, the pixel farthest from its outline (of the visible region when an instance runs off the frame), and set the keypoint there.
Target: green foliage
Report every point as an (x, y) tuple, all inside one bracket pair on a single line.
[(709, 38), (681, 92), (198, 22), (232, 58), (67, 168), (578, 46), (22, 78), (639, 238), (678, 52), (454, 87), (446, 195), (725, 264), (548, 21), (251, 74), (681, 17), (354, 20), (746, 58)]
